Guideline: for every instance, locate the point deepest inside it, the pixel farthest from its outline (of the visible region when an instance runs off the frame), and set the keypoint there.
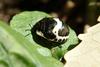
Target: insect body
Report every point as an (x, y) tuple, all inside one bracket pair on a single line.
[(52, 29)]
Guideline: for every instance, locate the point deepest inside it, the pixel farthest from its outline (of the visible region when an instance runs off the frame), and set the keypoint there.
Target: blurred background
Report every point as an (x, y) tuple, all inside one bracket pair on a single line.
[(78, 14)]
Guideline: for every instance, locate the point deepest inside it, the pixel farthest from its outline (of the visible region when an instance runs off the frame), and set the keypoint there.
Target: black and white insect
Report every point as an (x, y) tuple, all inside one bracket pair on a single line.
[(52, 29)]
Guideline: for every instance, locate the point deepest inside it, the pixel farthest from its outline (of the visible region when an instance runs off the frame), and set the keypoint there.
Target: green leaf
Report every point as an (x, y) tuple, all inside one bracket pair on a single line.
[(16, 51), (26, 20)]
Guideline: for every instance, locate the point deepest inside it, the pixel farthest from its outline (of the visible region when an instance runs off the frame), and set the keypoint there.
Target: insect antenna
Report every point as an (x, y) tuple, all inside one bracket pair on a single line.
[(28, 30), (27, 34)]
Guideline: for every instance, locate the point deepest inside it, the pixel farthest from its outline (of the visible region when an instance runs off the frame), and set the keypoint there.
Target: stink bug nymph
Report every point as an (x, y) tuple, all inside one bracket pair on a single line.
[(51, 29)]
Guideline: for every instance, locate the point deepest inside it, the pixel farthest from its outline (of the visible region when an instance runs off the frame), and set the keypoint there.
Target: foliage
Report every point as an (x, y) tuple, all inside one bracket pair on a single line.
[(26, 20), (17, 51)]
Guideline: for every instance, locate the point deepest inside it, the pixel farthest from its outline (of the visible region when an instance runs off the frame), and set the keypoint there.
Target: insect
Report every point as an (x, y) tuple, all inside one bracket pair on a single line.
[(51, 29)]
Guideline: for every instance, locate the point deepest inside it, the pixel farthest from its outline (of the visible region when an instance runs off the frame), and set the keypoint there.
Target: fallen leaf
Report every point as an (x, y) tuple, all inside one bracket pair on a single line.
[(87, 53)]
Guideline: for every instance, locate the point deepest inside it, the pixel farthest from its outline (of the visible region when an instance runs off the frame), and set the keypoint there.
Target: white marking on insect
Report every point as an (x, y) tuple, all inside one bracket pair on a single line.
[(56, 29), (39, 33), (42, 35)]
